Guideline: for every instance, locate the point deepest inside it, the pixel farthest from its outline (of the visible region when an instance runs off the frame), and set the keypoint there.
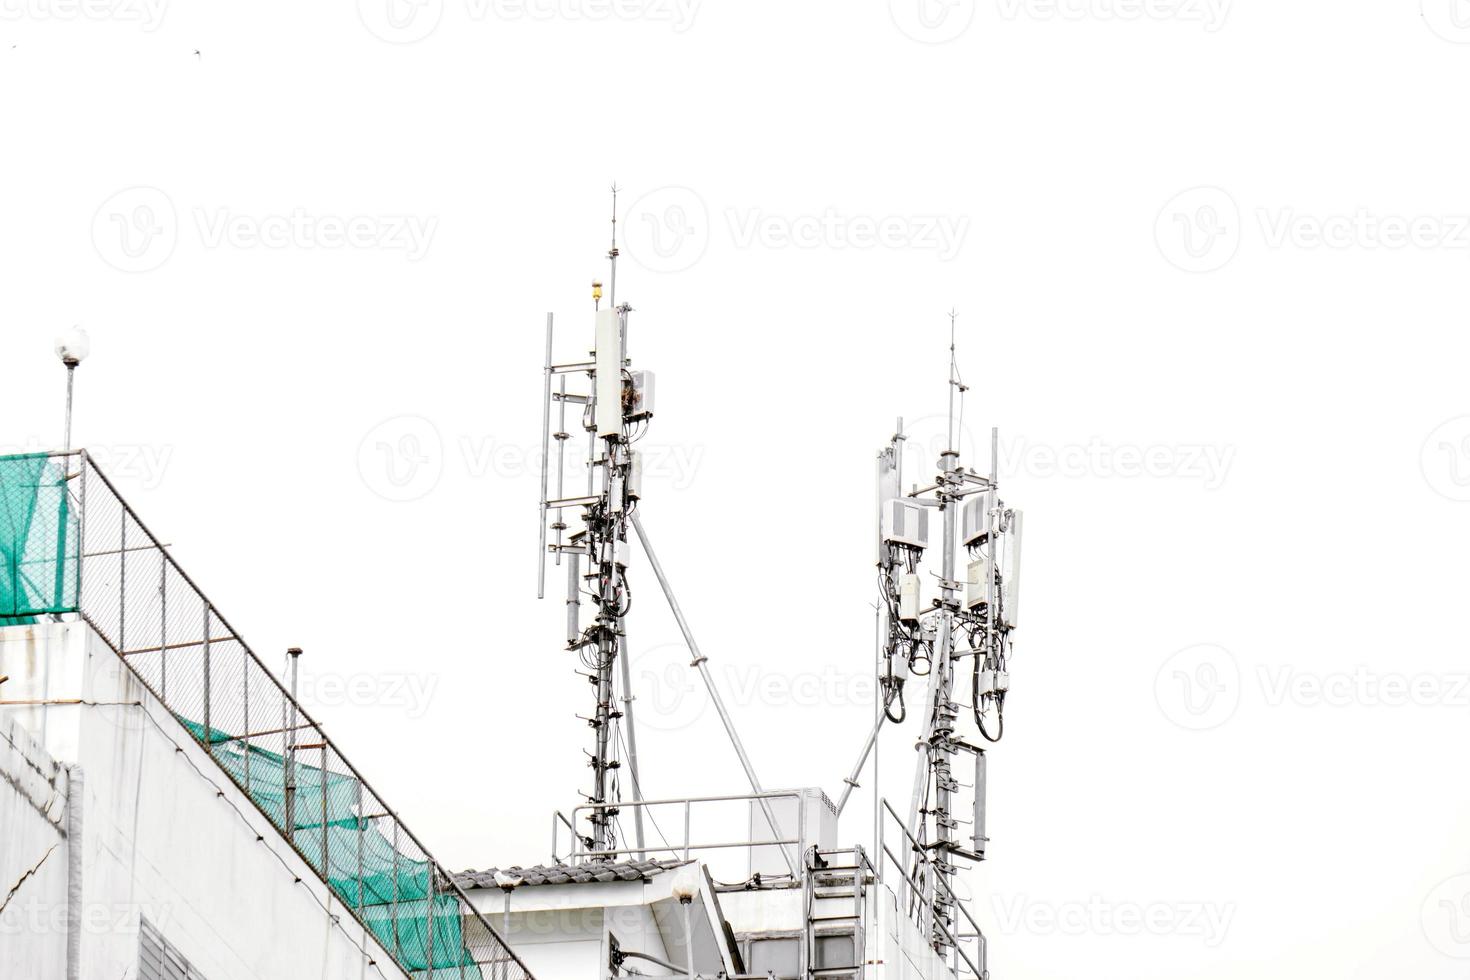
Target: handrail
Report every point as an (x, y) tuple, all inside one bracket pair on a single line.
[(687, 847), (982, 970), (441, 883), (571, 830)]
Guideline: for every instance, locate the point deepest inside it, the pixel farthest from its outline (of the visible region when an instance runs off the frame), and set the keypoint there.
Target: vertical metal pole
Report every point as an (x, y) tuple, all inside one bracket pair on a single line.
[(58, 596), (877, 720), (294, 656), (505, 930), (606, 530), (463, 953), (602, 823), (361, 824), (545, 459), (603, 521), (397, 944), (561, 437), (321, 778), (612, 254), (71, 370), (82, 524), (627, 700), (429, 920), (591, 457), (122, 585), (285, 755), (245, 686), (163, 629), (943, 717), (688, 938), (800, 829), (804, 946), (860, 924), (993, 498), (607, 651), (208, 737), (882, 858)]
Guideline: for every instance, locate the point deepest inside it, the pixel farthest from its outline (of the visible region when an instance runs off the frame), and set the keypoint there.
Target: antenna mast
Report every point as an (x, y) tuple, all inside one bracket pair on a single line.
[(615, 412), (970, 619)]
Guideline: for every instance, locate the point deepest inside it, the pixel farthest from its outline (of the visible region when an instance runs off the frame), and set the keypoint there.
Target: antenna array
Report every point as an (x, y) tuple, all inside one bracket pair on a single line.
[(613, 411), (970, 619)]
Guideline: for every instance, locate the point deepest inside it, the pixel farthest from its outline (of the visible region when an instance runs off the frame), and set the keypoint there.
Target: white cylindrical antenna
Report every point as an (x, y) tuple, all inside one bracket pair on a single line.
[(612, 253), (956, 383), (949, 443), (545, 459)]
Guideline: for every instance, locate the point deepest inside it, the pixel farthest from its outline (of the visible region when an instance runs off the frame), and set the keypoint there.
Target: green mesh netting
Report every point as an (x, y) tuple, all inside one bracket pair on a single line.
[(39, 539), (362, 865)]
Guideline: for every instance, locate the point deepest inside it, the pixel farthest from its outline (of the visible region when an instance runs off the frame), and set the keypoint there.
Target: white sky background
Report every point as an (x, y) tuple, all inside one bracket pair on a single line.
[(1298, 513)]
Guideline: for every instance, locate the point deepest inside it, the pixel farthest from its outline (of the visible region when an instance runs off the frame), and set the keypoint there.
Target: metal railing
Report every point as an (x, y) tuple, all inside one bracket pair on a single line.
[(685, 847), (915, 898), (902, 865), (176, 642)]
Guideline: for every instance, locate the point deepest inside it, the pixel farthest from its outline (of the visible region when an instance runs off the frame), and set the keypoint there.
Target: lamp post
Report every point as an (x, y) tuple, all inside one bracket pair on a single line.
[(507, 883), (72, 347), (685, 887)]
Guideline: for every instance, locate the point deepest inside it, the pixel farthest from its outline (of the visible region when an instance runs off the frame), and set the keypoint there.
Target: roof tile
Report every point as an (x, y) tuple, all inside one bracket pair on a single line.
[(564, 874)]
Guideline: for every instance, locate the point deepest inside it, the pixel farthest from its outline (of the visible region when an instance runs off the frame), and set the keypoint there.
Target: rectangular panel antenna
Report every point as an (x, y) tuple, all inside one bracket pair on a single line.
[(1011, 578), (609, 374)]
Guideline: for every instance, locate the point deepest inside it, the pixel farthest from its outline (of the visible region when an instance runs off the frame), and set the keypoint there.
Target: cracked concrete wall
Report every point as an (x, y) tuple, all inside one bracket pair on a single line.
[(33, 856)]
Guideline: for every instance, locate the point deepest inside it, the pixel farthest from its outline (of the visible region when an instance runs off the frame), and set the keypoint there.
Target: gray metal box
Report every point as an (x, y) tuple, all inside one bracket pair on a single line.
[(817, 825)]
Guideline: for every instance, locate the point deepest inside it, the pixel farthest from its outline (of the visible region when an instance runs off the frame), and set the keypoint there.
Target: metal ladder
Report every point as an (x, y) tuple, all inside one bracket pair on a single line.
[(835, 896)]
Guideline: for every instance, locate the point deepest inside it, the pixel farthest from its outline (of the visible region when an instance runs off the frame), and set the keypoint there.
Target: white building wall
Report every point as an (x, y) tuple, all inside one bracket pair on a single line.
[(896, 946), (562, 931), (33, 856), (166, 836)]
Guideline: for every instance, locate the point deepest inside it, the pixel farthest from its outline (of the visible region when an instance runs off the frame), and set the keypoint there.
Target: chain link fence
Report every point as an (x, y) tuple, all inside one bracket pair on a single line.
[(138, 599)]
